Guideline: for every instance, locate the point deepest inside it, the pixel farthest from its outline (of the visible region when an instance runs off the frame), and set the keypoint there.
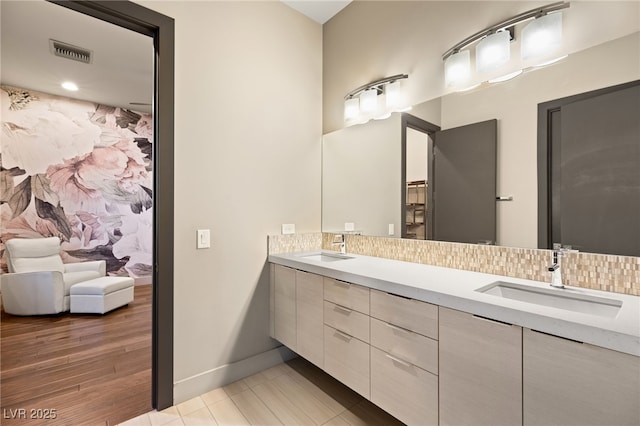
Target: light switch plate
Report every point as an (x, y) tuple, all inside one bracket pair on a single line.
[(392, 230), (349, 226), (288, 228), (203, 239)]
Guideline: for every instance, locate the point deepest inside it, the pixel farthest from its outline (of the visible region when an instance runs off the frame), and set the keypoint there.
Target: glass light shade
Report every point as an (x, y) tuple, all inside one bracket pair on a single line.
[(351, 108), (369, 100), (493, 51), (457, 69), (542, 36), (393, 95)]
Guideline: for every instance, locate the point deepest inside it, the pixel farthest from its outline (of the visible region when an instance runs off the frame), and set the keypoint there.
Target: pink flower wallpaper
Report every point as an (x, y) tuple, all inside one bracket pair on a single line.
[(80, 171)]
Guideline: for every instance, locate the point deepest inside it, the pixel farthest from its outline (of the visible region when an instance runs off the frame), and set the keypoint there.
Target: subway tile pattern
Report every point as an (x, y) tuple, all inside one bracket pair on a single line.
[(294, 243), (619, 274)]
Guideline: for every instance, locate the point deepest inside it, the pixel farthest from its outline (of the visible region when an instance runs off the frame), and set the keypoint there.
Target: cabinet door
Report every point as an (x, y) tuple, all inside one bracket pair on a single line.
[(403, 390), (573, 383), (347, 359), (309, 314), (480, 371), (284, 306)]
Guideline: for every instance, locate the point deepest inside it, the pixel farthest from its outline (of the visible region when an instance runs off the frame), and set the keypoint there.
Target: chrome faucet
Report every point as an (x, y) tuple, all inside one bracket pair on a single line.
[(556, 277), (338, 239), (556, 263)]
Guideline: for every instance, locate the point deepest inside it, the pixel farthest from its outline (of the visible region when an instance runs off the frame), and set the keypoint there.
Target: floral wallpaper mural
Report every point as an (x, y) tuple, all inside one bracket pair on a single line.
[(80, 171)]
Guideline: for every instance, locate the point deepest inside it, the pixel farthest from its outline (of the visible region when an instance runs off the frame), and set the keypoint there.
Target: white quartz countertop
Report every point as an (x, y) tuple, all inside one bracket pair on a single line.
[(456, 289)]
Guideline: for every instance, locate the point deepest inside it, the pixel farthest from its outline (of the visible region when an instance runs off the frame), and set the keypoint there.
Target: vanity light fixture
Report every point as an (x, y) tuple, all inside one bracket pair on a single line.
[(539, 39), (377, 99), (457, 69), (542, 36), (493, 51)]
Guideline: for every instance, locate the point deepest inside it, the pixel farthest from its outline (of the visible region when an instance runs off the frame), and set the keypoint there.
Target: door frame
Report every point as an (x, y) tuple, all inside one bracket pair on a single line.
[(420, 125), (145, 21), (546, 113)]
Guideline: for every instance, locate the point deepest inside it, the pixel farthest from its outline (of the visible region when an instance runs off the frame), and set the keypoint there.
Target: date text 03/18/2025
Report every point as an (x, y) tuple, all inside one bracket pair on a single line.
[(31, 413)]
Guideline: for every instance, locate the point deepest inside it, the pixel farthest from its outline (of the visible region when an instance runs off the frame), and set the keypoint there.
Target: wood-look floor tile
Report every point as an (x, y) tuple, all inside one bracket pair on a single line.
[(214, 396), (303, 399), (286, 411), (235, 387), (337, 421), (276, 370), (366, 413), (345, 396), (255, 379), (190, 406), (159, 418), (226, 413), (201, 417), (254, 409)]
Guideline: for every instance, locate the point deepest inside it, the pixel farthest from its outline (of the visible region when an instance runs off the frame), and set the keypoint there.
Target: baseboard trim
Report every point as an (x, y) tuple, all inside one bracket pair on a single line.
[(198, 384)]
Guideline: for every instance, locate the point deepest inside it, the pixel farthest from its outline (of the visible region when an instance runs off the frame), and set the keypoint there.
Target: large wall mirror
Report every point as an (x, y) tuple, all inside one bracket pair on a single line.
[(362, 164)]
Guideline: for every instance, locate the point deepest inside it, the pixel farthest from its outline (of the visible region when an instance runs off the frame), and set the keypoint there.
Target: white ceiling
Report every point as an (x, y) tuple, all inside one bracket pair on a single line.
[(318, 10), (121, 72)]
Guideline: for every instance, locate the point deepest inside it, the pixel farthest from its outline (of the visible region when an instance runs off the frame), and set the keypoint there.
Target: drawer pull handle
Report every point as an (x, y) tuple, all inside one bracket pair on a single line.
[(493, 320), (396, 328), (343, 310), (341, 335), (399, 361), (342, 283)]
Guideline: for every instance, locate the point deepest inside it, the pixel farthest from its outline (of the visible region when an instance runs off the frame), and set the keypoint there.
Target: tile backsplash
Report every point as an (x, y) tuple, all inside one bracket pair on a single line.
[(294, 243), (619, 274)]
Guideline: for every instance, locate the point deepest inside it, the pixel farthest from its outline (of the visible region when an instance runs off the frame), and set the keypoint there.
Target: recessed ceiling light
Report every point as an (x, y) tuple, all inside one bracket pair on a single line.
[(68, 85)]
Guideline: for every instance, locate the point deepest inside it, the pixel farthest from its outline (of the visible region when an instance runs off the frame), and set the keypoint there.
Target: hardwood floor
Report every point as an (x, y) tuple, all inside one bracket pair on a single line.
[(87, 369), (294, 393)]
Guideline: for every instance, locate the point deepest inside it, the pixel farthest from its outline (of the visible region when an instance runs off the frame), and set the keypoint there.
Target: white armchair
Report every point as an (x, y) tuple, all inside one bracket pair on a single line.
[(38, 282)]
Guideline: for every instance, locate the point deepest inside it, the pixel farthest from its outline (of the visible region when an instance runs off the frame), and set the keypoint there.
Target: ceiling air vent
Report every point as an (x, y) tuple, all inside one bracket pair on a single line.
[(75, 53)]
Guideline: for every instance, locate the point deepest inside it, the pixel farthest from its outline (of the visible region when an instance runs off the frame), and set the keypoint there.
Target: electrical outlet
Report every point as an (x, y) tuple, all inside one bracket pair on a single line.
[(203, 239), (349, 226), (392, 230), (288, 228)]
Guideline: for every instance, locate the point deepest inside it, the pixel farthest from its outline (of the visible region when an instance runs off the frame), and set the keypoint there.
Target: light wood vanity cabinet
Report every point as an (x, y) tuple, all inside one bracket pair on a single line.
[(404, 363), (284, 306), (573, 383), (429, 365), (480, 371), (346, 334), (309, 317)]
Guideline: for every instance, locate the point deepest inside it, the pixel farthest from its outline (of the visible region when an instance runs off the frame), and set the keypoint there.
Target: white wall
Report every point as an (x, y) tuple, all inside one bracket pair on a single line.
[(248, 88)]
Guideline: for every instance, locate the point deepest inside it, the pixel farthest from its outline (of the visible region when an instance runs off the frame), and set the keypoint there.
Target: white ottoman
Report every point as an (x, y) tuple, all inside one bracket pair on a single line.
[(101, 295)]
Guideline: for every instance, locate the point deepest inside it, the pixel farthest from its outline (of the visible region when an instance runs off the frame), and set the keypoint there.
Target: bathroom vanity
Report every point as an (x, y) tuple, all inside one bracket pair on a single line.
[(433, 345)]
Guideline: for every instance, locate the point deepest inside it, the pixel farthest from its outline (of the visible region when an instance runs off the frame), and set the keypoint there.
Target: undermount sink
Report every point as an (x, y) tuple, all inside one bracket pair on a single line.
[(326, 257), (561, 298)]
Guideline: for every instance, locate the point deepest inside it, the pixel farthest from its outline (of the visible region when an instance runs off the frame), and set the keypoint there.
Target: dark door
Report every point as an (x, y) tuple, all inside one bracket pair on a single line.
[(464, 183), (596, 187)]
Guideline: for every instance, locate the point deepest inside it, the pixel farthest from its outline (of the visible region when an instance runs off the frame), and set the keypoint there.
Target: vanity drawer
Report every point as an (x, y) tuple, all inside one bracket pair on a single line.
[(403, 390), (347, 359), (345, 294), (347, 320), (411, 314), (405, 345)]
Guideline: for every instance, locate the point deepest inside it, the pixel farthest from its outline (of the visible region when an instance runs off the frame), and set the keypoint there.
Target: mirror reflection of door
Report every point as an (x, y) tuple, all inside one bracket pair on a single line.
[(416, 185), (47, 360), (464, 184), (449, 181), (416, 154)]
